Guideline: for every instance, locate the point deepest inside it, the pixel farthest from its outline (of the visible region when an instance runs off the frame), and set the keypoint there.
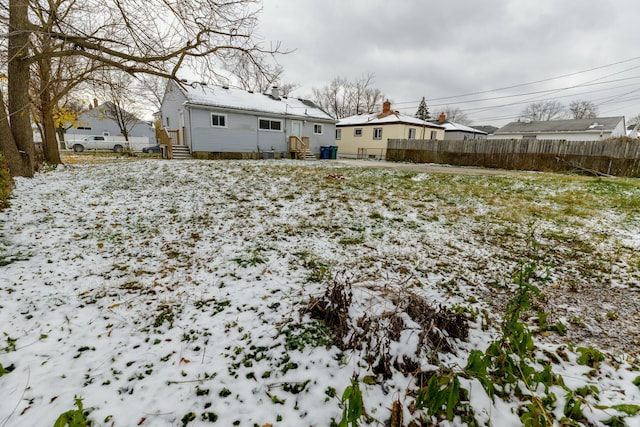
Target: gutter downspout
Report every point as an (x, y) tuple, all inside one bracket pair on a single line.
[(258, 133), (187, 109)]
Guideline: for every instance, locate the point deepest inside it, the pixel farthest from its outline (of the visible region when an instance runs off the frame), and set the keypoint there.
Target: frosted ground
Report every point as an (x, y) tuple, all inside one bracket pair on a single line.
[(187, 293)]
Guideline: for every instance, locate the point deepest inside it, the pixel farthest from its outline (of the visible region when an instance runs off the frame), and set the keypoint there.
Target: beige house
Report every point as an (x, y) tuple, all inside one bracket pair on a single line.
[(365, 136)]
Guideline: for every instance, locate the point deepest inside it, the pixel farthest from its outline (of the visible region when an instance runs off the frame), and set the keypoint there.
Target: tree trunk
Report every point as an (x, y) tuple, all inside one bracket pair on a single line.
[(8, 144), (50, 145), (18, 91)]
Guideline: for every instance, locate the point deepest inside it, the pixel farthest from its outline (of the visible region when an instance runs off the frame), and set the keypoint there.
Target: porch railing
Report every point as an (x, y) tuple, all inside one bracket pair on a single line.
[(168, 138), (299, 147)]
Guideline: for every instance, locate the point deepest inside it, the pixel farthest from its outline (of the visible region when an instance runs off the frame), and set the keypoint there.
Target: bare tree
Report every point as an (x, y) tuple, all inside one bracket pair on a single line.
[(343, 98), (364, 97), (372, 99), (120, 104), (251, 79), (52, 79), (334, 98), (582, 109), (287, 88), (544, 111), (151, 89), (263, 79), (455, 114), (151, 37)]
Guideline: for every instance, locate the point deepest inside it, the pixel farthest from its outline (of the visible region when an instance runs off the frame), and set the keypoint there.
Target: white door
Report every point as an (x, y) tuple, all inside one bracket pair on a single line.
[(179, 140), (296, 129)]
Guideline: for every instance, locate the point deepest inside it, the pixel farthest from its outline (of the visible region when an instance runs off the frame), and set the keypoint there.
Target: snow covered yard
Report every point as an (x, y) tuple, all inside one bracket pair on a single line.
[(171, 293)]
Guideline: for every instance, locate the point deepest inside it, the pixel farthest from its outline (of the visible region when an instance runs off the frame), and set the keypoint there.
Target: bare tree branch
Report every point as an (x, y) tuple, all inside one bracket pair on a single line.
[(582, 109), (544, 111), (343, 98)]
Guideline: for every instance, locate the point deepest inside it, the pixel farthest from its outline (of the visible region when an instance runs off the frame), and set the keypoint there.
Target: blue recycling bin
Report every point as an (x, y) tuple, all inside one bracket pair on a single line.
[(324, 152), (333, 152)]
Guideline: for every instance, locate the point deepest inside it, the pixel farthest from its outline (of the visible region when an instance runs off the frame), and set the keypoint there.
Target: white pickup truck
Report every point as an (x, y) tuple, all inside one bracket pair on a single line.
[(105, 142)]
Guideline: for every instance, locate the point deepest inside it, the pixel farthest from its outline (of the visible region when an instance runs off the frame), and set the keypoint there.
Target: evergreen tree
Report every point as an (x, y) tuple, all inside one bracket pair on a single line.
[(423, 111)]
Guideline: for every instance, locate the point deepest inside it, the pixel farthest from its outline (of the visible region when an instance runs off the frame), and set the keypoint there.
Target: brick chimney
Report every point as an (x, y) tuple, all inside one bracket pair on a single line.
[(442, 118), (386, 107)]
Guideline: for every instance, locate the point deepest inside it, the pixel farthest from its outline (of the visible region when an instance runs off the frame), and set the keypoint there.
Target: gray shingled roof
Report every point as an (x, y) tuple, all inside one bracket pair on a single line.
[(578, 125)]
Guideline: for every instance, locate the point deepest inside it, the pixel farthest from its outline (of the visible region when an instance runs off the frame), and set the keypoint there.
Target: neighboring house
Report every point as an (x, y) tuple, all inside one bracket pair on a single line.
[(488, 129), (569, 130), (457, 132), (632, 130), (366, 135), (94, 121), (222, 122)]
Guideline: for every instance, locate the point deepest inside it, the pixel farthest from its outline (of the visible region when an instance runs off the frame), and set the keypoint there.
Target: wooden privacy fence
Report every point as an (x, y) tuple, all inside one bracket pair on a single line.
[(620, 157)]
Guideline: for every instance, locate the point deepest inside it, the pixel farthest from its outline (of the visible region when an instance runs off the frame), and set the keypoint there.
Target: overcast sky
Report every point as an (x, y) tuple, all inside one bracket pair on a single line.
[(441, 50)]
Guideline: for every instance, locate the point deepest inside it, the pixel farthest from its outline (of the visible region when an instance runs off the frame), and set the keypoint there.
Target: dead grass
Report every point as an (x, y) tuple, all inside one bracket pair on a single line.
[(374, 331)]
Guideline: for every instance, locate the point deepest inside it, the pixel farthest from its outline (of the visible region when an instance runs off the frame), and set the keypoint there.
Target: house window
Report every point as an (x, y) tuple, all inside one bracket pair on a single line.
[(377, 133), (317, 129), (268, 124), (168, 122), (338, 133), (434, 134), (357, 132), (412, 133), (218, 120)]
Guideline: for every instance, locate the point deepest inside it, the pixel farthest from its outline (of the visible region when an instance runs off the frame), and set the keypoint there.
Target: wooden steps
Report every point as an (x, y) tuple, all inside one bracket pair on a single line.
[(181, 152)]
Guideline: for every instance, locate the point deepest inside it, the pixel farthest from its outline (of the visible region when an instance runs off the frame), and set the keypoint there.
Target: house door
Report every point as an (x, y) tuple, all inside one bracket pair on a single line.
[(181, 140), (296, 129)]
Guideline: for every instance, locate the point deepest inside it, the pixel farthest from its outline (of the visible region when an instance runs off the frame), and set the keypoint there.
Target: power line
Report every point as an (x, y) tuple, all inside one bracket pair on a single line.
[(530, 83)]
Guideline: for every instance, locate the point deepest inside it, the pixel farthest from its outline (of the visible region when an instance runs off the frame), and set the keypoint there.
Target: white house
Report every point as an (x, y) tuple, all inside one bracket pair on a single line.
[(223, 122), (458, 132), (568, 130)]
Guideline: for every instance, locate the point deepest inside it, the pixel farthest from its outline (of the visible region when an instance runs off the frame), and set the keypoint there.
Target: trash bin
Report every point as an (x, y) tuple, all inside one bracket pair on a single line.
[(324, 152), (333, 152)]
